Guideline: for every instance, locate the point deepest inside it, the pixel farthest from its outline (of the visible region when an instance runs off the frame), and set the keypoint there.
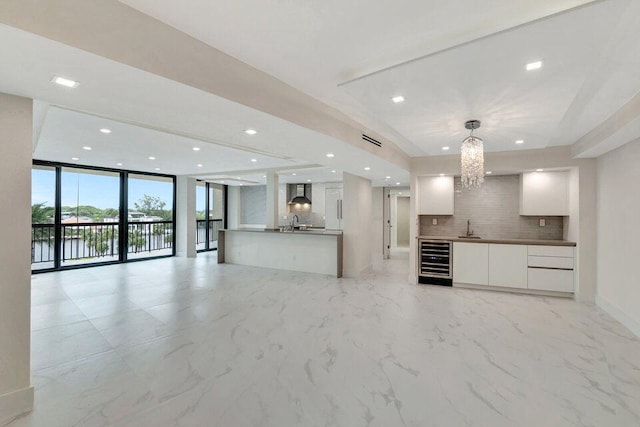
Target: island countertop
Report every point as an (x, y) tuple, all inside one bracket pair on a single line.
[(314, 231), (502, 241)]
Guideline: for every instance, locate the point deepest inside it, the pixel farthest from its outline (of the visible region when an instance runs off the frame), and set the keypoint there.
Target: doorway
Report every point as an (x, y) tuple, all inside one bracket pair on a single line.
[(397, 222)]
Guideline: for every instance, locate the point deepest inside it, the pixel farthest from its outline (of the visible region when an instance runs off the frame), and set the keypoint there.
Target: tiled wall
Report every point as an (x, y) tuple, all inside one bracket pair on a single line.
[(494, 213), (305, 216), (253, 204)]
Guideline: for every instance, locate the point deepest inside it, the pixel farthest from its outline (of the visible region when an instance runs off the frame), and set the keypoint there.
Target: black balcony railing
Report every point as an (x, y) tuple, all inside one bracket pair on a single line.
[(42, 237), (150, 236), (98, 241), (89, 240), (201, 233)]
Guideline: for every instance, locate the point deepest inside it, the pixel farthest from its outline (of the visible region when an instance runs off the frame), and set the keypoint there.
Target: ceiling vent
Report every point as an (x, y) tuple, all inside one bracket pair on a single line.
[(371, 140)]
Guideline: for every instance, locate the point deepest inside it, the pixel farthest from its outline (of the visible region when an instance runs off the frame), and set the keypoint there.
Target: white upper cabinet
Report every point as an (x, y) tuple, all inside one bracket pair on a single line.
[(544, 194), (435, 195)]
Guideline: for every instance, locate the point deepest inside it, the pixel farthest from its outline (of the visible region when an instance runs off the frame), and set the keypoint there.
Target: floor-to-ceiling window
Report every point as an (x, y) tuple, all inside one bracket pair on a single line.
[(43, 210), (210, 214), (88, 215), (150, 216)]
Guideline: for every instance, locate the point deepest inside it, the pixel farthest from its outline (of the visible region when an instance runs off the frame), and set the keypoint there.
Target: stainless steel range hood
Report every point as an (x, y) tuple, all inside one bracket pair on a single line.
[(300, 193)]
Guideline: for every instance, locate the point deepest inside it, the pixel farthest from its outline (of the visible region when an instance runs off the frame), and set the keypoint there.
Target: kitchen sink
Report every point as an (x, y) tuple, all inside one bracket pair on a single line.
[(469, 237)]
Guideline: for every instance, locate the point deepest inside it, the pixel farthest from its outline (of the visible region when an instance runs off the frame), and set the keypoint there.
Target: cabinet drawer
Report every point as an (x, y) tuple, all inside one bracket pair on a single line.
[(550, 280), (550, 262), (562, 251)]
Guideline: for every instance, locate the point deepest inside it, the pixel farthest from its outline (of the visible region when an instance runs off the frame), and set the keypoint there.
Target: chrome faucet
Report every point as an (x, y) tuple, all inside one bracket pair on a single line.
[(469, 231)]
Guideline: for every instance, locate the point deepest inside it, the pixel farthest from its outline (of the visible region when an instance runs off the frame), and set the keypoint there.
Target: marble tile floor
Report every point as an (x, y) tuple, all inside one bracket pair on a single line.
[(187, 342)]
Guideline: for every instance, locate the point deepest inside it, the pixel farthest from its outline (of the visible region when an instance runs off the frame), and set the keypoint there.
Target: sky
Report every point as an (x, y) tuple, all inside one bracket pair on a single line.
[(99, 190)]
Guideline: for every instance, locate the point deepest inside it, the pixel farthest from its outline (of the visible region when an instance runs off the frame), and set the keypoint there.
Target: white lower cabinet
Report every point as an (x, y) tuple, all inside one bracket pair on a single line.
[(471, 263), (538, 268), (508, 266), (545, 279)]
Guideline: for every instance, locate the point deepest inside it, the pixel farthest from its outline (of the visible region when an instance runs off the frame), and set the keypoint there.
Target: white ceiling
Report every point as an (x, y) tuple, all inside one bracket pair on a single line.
[(470, 64), (65, 133), (315, 46), (591, 62), (139, 99)]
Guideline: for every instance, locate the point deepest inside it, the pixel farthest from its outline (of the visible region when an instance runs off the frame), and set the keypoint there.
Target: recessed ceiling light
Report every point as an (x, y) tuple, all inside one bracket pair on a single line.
[(199, 165), (308, 180), (151, 158), (333, 171), (330, 155), (387, 177), (75, 158), (400, 193), (398, 99), (441, 174), (445, 148), (489, 172), (157, 169), (367, 168), (241, 185), (520, 141), (64, 82), (294, 174), (539, 170), (254, 160), (250, 132), (534, 65), (264, 176), (222, 182), (196, 148), (86, 148), (105, 130), (118, 164), (237, 177), (397, 183)]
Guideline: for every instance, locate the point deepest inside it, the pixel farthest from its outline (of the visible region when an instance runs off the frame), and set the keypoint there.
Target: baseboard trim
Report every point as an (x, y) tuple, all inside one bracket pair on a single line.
[(619, 315), (15, 404), (514, 290)]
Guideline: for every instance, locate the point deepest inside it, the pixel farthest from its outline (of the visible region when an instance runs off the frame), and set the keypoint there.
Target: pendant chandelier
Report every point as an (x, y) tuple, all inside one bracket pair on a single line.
[(472, 158)]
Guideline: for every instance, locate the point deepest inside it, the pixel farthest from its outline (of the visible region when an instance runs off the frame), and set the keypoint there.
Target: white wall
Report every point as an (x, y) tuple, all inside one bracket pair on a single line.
[(619, 234), (356, 212), (377, 228), (233, 207), (16, 393)]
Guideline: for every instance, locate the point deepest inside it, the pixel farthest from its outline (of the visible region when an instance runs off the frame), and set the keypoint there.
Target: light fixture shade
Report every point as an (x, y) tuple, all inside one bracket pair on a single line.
[(472, 162)]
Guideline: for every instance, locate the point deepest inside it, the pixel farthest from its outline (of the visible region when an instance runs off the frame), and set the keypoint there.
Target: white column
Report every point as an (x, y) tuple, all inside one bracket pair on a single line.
[(233, 207), (16, 124), (185, 217), (273, 187), (356, 224)]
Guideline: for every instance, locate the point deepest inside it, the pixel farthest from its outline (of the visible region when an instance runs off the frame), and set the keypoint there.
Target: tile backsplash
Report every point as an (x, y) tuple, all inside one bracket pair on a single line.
[(493, 210)]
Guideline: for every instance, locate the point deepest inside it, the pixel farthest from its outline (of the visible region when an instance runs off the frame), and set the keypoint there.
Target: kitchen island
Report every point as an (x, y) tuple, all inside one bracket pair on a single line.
[(311, 251)]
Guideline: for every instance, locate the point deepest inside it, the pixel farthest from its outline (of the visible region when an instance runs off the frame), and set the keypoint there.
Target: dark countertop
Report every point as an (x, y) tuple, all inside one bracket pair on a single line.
[(503, 241), (316, 232)]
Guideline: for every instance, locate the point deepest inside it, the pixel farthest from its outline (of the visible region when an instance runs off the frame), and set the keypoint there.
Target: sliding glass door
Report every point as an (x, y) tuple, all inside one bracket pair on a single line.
[(88, 215), (210, 214)]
